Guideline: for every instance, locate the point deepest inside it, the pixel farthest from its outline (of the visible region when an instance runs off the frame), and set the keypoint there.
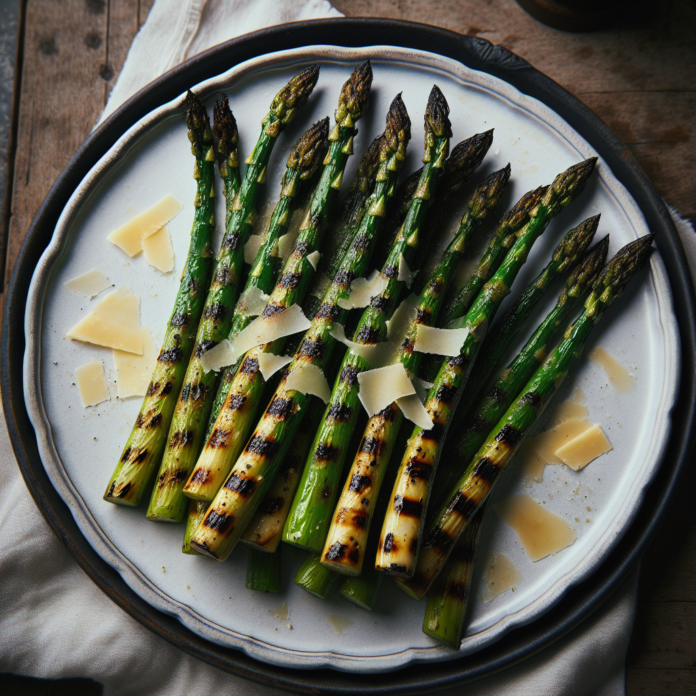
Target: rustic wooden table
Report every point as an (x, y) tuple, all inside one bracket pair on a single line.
[(637, 76)]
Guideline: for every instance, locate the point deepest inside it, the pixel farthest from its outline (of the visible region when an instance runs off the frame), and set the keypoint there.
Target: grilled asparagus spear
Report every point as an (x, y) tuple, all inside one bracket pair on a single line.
[(146, 442), (505, 439), (186, 432), (231, 428), (345, 544), (254, 471), (401, 530)]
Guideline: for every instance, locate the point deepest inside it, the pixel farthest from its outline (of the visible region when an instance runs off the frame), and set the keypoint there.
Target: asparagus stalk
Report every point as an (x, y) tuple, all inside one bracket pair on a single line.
[(309, 515), (146, 441), (226, 138), (263, 571), (236, 417), (505, 439), (255, 469), (196, 513), (168, 503), (313, 577), (401, 531), (345, 544)]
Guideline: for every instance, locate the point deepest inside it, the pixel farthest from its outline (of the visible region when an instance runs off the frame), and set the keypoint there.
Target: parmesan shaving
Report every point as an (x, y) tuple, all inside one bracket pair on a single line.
[(251, 248), (439, 341), (584, 448), (383, 386), (287, 243), (421, 386), (218, 356), (113, 323), (412, 407), (397, 326), (268, 329), (253, 301), (89, 284), (91, 383), (313, 259), (130, 236), (133, 372), (547, 443), (405, 273), (362, 290), (308, 379), (369, 353), (269, 364), (158, 250)]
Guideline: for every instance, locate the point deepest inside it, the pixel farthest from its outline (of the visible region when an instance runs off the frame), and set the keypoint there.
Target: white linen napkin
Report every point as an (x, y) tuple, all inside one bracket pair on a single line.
[(48, 605)]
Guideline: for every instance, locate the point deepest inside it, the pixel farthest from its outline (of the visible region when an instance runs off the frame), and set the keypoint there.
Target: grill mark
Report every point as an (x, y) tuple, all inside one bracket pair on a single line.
[(200, 476), (290, 280), (326, 453), (446, 394), (459, 361), (358, 482), (349, 375), (261, 446), (219, 522), (222, 276), (140, 457), (185, 393), (418, 470), (367, 335), (125, 455), (179, 319), (439, 540), (408, 507), (463, 506), (336, 552), (271, 505), (301, 248), (388, 544), (398, 568), (147, 424), (244, 486), (281, 408), (204, 346), (361, 242), (390, 271), (122, 493), (236, 402), (360, 520), (231, 241), (172, 478), (436, 286), (435, 433), (250, 366), (344, 278), (388, 414), (171, 356), (198, 392), (533, 400), (487, 471), (271, 310), (328, 311), (423, 316), (167, 388), (340, 412), (219, 438), (371, 445), (181, 439), (457, 590), (217, 312), (312, 349), (509, 435), (379, 302), (498, 394)]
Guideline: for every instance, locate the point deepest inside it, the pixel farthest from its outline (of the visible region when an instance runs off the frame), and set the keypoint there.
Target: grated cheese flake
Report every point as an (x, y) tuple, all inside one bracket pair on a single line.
[(253, 301), (313, 259), (413, 409), (134, 372), (421, 386), (91, 383), (383, 386), (369, 353), (584, 448), (308, 379), (546, 444), (251, 248), (158, 251), (130, 236), (439, 341), (287, 243), (218, 356), (362, 290), (269, 364), (89, 284)]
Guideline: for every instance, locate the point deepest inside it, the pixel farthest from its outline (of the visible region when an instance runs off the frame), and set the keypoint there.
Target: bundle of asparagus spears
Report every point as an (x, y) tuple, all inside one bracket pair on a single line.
[(246, 456)]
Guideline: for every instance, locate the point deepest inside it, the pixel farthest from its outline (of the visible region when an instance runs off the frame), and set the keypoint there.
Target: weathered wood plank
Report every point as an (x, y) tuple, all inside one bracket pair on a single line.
[(652, 682)]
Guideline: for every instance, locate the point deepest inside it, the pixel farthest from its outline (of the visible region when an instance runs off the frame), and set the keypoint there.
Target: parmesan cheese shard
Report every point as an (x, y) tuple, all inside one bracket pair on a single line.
[(397, 326), (383, 386), (546, 444), (158, 250), (501, 575), (421, 386), (367, 352), (134, 372), (267, 329), (540, 531), (130, 236), (287, 243), (313, 259), (439, 341), (251, 248), (218, 356), (113, 323), (405, 273), (308, 379), (91, 383), (269, 364), (89, 284), (362, 290), (413, 409), (584, 448), (253, 301)]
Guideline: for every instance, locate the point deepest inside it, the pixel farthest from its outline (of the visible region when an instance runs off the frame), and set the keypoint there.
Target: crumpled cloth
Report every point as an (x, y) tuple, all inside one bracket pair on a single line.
[(55, 622)]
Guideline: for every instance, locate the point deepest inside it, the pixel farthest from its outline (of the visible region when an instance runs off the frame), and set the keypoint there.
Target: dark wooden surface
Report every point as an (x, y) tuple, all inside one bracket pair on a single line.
[(639, 76)]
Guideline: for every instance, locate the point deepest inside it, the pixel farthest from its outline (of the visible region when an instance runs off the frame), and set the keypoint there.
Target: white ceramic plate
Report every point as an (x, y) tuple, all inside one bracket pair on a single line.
[(79, 447)]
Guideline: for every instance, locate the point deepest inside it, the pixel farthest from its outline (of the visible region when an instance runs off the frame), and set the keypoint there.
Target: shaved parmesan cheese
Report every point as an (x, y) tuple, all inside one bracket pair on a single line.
[(287, 243), (397, 326), (412, 407), (253, 301), (546, 444), (308, 379), (439, 341), (269, 364), (405, 273), (113, 323), (267, 329), (91, 383), (366, 352), (383, 386), (158, 250), (133, 372), (251, 248), (362, 290), (218, 356), (313, 259), (89, 284), (421, 386), (581, 450), (130, 236)]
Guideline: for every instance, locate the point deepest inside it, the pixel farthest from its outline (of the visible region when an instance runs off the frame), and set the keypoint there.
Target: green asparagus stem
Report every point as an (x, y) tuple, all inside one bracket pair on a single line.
[(401, 531), (168, 503), (362, 590), (196, 513), (483, 471), (344, 546), (243, 401), (144, 447), (263, 571), (256, 468), (226, 136), (313, 577)]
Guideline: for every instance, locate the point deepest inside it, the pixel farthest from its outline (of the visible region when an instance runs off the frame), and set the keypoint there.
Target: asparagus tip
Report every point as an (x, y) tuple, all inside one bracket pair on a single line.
[(437, 114), (584, 274), (224, 129), (198, 123), (465, 158), (308, 152), (576, 241), (355, 92), (625, 264), (488, 192), (398, 121), (293, 97), (518, 216)]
